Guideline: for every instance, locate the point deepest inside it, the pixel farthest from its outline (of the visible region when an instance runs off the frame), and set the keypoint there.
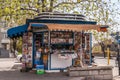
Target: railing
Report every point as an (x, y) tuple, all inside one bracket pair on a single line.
[(60, 16)]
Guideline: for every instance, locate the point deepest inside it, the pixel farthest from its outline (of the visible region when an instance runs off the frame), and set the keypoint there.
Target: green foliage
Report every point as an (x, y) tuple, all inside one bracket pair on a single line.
[(19, 9), (19, 45), (78, 1), (16, 11)]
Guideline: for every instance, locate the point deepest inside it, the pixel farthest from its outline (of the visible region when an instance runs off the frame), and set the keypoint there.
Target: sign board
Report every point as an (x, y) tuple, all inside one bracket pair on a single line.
[(119, 41), (117, 37)]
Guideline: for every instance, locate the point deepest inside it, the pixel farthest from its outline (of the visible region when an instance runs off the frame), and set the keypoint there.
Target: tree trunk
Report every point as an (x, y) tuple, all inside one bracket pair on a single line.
[(103, 49), (14, 47), (44, 9), (51, 6), (43, 5)]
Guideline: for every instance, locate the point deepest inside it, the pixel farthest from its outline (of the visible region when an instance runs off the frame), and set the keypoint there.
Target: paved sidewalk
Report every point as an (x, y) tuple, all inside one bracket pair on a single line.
[(9, 71), (100, 61), (17, 75), (6, 63)]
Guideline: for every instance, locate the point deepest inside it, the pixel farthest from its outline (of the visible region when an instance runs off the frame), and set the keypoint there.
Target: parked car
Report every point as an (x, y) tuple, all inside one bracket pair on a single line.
[(19, 58)]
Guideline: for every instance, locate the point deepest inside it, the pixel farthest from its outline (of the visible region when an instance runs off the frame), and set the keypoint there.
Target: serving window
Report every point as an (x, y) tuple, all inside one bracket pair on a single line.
[(61, 37), (61, 40)]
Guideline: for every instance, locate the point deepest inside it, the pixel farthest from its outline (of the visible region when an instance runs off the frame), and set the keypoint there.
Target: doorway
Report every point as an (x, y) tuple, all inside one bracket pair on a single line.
[(39, 44)]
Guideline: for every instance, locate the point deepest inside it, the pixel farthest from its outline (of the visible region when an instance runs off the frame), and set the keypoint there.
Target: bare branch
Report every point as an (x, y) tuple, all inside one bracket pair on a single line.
[(65, 3), (29, 5), (32, 9), (72, 3)]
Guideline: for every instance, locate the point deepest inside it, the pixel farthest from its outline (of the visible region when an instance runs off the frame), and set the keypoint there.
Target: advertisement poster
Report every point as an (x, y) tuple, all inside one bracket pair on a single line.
[(27, 49)]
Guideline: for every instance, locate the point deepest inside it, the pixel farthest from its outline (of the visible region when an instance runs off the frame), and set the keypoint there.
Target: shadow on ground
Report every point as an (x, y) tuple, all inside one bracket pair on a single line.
[(17, 75), (16, 66)]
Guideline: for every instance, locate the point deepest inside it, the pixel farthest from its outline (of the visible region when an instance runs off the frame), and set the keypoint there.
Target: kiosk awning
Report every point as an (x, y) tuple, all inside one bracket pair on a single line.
[(71, 27), (38, 25), (17, 31), (77, 27)]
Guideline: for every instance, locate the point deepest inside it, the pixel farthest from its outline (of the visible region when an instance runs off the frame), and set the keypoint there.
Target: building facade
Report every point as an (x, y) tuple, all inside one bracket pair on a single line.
[(4, 41)]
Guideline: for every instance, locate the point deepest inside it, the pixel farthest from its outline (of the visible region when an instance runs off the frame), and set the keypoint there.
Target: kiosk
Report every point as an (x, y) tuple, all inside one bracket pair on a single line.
[(60, 38)]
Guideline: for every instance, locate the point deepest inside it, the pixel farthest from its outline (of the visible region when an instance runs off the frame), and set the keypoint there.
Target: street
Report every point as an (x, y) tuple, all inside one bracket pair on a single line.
[(6, 63), (9, 70)]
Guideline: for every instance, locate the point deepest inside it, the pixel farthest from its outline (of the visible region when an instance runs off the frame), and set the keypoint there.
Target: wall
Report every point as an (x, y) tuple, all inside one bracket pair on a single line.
[(59, 63), (4, 41), (0, 38), (92, 73), (4, 53)]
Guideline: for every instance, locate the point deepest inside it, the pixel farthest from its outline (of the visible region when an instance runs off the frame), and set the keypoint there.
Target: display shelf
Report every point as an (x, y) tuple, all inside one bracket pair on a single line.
[(45, 39), (27, 48), (67, 51), (61, 39), (38, 40), (61, 44), (64, 51)]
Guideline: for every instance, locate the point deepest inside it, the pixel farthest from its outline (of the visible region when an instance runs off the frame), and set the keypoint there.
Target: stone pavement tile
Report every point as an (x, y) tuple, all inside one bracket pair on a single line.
[(77, 78), (17, 75), (116, 78)]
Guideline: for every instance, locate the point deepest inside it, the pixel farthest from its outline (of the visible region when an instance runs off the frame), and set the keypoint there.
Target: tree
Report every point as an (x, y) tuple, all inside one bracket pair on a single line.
[(15, 12), (101, 39), (101, 12), (18, 10)]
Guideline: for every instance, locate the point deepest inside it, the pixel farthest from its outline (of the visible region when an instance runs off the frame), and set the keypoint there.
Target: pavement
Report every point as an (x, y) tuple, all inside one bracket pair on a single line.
[(6, 63), (9, 70), (100, 61), (17, 75), (9, 64)]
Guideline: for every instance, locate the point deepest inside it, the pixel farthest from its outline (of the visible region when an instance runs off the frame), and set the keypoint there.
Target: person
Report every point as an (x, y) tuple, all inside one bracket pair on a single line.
[(79, 52), (26, 62), (93, 61), (116, 61), (38, 56)]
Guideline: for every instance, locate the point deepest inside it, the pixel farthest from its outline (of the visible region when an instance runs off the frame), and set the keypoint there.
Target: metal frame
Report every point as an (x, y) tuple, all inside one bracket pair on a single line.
[(59, 21), (90, 48), (49, 55)]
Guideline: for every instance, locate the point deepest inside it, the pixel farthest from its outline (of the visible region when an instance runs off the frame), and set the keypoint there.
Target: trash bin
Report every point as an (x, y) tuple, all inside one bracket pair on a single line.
[(40, 69)]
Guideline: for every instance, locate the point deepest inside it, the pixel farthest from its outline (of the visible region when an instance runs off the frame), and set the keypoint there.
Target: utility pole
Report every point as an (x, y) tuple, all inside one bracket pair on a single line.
[(108, 52), (119, 56), (118, 53)]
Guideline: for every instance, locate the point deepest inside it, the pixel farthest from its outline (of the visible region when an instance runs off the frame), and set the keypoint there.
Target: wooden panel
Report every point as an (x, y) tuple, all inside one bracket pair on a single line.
[(103, 29), (72, 27)]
